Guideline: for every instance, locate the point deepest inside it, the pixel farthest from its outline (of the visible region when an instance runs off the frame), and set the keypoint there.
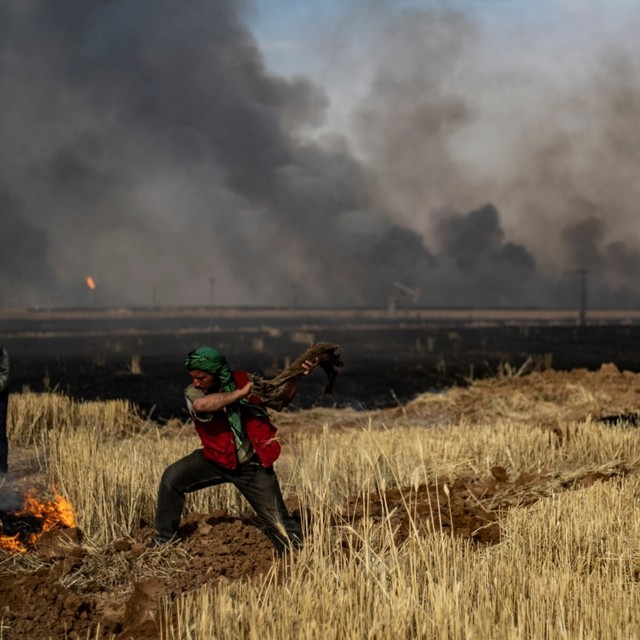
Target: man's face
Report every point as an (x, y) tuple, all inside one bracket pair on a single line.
[(203, 380)]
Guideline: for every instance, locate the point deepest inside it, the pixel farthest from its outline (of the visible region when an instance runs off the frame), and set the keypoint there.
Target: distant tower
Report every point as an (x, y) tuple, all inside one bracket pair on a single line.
[(411, 295), (212, 290), (583, 297)]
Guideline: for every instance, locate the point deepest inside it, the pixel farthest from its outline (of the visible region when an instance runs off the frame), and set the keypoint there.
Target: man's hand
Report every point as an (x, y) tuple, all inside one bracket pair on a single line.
[(289, 388), (309, 366), (245, 391)]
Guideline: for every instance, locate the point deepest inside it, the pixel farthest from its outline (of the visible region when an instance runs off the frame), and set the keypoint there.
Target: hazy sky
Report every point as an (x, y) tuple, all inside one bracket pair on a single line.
[(481, 152)]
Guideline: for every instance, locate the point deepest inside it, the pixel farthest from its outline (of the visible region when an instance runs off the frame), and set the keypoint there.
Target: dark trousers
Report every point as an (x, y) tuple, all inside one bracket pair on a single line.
[(258, 485), (4, 443)]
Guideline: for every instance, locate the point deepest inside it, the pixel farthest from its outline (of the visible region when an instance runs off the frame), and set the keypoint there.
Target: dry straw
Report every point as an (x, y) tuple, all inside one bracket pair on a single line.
[(567, 567)]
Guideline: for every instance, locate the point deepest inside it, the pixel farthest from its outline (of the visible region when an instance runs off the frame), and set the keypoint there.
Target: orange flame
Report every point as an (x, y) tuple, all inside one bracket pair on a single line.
[(90, 282), (52, 514)]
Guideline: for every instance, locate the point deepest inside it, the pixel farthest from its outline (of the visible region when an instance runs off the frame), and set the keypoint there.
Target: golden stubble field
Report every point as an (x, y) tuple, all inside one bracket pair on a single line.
[(507, 509)]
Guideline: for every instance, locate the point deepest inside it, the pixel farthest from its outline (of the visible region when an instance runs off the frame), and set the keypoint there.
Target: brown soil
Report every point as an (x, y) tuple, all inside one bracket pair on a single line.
[(63, 589)]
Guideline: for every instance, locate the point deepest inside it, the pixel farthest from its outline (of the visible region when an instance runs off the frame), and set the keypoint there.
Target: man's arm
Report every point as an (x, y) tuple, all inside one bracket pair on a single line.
[(213, 402), (288, 389)]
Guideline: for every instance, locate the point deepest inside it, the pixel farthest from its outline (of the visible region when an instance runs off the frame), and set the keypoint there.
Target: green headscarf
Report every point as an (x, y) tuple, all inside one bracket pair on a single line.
[(212, 361)]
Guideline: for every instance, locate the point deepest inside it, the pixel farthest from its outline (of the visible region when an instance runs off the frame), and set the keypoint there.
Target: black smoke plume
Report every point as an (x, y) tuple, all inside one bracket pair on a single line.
[(146, 144)]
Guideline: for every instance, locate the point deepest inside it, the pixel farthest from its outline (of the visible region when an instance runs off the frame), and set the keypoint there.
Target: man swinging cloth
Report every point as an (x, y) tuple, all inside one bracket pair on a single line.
[(238, 445)]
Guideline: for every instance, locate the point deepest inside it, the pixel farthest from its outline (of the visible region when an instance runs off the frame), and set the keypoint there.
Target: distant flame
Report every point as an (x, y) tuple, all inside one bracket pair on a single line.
[(90, 282), (38, 516)]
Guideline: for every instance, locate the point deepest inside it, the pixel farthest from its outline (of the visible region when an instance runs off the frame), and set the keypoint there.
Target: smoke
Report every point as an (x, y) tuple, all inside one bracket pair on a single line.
[(461, 109), (10, 498), (148, 145)]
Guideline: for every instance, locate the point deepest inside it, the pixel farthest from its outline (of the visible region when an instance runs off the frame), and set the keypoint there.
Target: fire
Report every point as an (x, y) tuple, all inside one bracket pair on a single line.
[(35, 518), (90, 282)]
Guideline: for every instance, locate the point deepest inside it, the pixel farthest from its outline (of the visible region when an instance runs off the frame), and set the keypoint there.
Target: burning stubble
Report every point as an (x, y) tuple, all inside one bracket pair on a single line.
[(23, 521)]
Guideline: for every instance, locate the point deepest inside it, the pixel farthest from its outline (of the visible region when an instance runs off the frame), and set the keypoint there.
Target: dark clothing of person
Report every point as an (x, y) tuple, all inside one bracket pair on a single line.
[(4, 441), (259, 485), (248, 466), (4, 406)]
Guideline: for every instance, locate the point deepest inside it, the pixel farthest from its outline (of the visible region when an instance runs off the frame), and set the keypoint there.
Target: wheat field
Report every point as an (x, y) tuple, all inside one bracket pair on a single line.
[(567, 564)]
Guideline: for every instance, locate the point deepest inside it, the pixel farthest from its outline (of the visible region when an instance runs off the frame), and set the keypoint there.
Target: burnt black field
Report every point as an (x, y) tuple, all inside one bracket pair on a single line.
[(390, 356)]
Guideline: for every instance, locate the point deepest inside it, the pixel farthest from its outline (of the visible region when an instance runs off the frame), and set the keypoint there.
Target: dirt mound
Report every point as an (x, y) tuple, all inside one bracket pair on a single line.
[(61, 589), (121, 588), (541, 398)]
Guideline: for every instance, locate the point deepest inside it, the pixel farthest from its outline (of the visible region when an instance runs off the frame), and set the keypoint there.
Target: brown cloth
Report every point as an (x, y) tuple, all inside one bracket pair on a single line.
[(329, 360)]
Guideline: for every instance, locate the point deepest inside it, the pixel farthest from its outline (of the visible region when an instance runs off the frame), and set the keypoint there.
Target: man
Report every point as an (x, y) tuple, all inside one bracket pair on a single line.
[(238, 446), (4, 403)]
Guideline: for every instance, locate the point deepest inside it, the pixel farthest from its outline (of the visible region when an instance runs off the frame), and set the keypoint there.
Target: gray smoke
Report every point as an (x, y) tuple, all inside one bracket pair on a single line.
[(147, 145), (10, 498), (540, 124)]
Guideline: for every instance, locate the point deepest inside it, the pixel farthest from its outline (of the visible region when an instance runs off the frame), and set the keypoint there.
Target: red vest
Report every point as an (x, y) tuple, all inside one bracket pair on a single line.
[(219, 443)]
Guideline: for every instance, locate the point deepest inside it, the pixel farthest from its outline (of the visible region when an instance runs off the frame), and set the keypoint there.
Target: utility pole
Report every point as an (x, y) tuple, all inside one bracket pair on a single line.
[(583, 297), (212, 289)]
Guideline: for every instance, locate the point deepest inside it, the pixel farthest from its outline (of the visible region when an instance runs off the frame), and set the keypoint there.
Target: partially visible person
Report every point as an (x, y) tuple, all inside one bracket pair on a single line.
[(4, 405), (239, 446)]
